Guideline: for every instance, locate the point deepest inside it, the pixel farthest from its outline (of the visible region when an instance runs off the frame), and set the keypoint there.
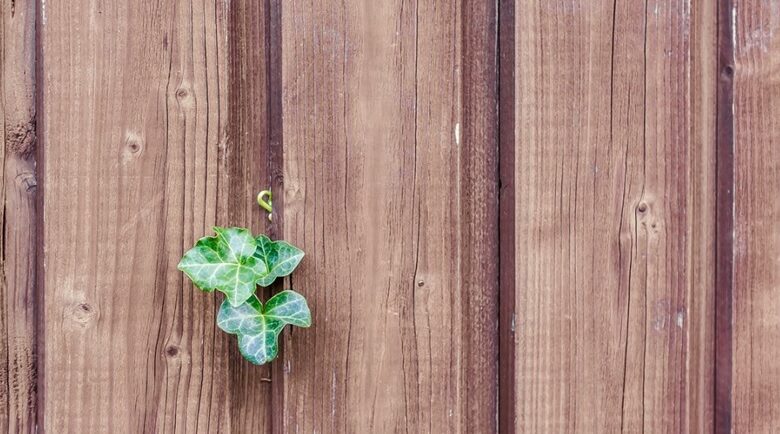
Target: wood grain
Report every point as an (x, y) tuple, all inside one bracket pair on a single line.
[(506, 169), (519, 216), (755, 26), (133, 121), (389, 179), (609, 174), (702, 221), (18, 190), (478, 247), (247, 172), (724, 245)]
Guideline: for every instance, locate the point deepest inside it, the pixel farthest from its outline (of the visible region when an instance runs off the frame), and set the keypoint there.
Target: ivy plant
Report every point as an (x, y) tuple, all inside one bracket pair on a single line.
[(234, 262), (258, 326)]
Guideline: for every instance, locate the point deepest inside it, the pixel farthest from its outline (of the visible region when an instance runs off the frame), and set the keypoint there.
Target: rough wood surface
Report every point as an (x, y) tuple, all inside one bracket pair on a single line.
[(478, 247), (518, 215), (756, 309), (608, 172), (247, 172), (724, 242), (133, 124), (698, 407), (389, 189), (506, 170), (18, 191)]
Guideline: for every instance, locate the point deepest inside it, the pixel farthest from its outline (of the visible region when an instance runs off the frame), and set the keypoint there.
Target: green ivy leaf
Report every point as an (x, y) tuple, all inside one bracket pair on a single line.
[(258, 327), (234, 263), (280, 258), (288, 307), (225, 262)]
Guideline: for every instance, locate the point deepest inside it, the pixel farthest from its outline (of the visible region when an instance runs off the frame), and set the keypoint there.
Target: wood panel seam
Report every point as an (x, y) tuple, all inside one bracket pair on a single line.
[(724, 250), (506, 407)]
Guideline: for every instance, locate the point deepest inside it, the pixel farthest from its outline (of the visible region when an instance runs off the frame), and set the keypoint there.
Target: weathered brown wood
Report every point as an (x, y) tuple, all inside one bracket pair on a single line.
[(248, 172), (133, 121), (610, 180), (275, 176), (698, 409), (724, 267), (477, 249), (755, 26), (390, 188), (18, 187), (636, 260), (507, 261)]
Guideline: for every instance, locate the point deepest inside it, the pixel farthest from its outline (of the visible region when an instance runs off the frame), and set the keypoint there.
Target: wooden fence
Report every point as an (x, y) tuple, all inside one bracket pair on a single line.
[(530, 216)]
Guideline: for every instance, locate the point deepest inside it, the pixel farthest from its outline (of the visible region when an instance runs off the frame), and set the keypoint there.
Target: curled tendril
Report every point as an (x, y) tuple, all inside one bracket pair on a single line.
[(266, 204)]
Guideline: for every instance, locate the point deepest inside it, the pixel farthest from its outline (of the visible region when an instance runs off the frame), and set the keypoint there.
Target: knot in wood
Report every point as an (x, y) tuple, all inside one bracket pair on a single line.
[(83, 313), (172, 351)]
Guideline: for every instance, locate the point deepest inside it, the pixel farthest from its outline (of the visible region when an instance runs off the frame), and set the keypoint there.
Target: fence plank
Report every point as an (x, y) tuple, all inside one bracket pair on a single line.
[(724, 245), (133, 124), (478, 247), (756, 322), (247, 172), (699, 399), (18, 186), (609, 295), (159, 120), (389, 200)]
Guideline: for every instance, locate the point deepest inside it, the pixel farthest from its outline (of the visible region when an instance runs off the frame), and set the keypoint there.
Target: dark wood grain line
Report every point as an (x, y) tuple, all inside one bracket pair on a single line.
[(40, 293), (724, 272), (249, 170), (506, 216), (275, 171), (273, 23), (480, 236)]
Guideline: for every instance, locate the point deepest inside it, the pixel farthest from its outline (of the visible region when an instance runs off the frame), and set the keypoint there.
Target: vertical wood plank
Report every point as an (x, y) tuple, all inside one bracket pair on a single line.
[(389, 171), (755, 26), (137, 166), (699, 405), (478, 215), (506, 169), (609, 177), (724, 245), (18, 190), (247, 173)]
